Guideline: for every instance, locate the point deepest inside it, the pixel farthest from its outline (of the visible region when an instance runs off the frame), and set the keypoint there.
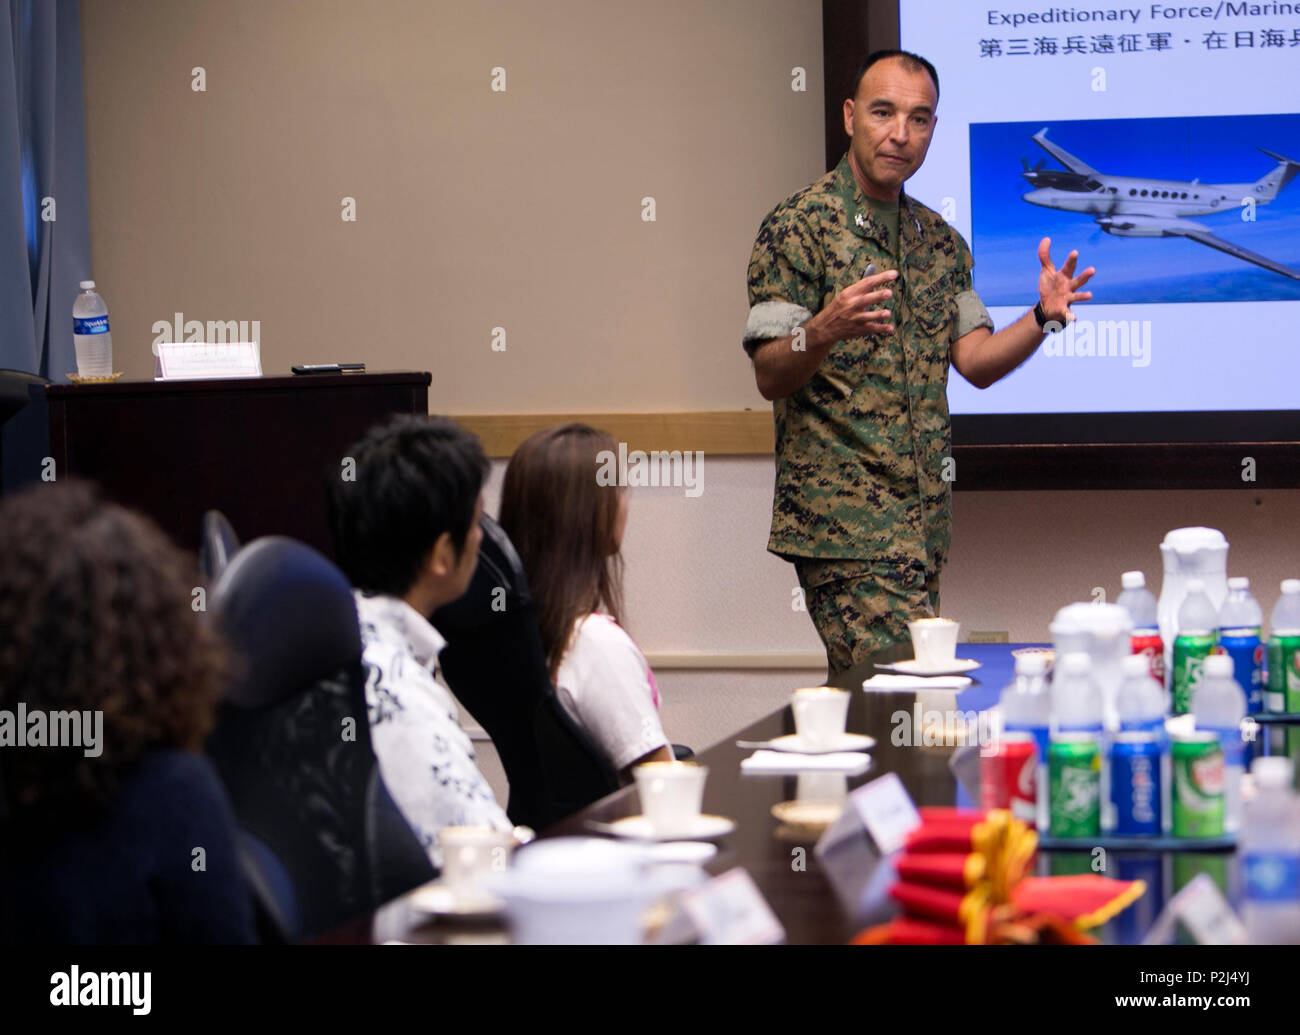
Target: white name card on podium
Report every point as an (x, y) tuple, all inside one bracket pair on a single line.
[(882, 808), (1201, 908), (198, 361), (730, 910)]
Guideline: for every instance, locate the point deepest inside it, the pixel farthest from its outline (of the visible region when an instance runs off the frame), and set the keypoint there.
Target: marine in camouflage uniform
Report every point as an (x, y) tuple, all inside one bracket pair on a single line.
[(861, 503)]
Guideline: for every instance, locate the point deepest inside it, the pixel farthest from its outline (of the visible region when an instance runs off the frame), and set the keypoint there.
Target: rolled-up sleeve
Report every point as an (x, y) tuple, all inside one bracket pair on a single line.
[(785, 273), (971, 312)]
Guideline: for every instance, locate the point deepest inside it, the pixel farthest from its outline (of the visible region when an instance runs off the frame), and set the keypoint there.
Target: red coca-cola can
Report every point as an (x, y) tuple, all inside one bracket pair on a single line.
[(1150, 644), (1007, 771)]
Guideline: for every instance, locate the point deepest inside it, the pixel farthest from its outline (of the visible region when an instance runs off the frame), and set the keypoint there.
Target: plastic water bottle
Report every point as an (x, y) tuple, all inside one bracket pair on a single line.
[(90, 333), (1077, 706), (1140, 603), (1198, 626), (1026, 704), (1284, 650), (1076, 700), (1219, 705), (1142, 705), (1270, 850), (1240, 623)]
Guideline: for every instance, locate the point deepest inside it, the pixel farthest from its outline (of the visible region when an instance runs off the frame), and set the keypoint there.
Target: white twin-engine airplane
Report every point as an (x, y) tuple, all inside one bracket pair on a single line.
[(1132, 206)]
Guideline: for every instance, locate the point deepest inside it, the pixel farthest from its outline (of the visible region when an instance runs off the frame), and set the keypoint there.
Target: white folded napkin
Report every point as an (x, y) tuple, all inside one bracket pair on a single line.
[(763, 761), (901, 682)]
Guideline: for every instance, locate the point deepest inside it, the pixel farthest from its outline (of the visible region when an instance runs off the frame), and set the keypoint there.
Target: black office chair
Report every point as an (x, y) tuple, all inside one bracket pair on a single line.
[(292, 745), (494, 664), (24, 433), (217, 544)]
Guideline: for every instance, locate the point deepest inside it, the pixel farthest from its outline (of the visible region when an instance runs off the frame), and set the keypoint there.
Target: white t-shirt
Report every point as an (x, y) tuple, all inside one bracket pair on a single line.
[(605, 684)]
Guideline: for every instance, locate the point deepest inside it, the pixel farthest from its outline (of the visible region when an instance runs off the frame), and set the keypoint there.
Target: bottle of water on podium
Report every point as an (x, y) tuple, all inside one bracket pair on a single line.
[(1284, 650), (1219, 706), (90, 333), (1140, 603), (1026, 704), (1270, 851)]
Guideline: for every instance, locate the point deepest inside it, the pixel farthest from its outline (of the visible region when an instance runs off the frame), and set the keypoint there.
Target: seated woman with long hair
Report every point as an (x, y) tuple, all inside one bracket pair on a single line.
[(113, 828), (568, 531)]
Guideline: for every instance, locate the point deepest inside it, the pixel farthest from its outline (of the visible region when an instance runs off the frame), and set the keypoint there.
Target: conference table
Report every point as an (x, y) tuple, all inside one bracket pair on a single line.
[(820, 901)]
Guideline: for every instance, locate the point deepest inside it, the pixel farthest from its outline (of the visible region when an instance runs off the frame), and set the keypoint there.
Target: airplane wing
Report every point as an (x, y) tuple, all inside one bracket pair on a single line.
[(1201, 236), (1062, 155)]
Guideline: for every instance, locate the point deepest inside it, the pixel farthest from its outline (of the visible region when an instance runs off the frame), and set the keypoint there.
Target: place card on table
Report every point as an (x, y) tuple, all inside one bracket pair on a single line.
[(730, 910), (881, 808), (198, 361), (1203, 912)]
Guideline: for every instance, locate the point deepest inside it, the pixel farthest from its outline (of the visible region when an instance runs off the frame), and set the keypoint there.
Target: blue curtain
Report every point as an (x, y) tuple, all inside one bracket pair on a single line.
[(42, 156)]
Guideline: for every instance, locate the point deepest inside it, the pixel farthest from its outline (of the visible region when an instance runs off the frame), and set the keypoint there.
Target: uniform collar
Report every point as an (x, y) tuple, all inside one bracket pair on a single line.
[(861, 219)]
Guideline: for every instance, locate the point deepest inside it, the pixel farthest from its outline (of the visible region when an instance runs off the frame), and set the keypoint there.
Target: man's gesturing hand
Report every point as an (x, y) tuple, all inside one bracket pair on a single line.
[(1057, 289), (853, 313)]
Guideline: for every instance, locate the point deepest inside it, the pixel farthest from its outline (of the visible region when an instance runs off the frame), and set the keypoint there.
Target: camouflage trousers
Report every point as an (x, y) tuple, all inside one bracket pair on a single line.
[(863, 607)]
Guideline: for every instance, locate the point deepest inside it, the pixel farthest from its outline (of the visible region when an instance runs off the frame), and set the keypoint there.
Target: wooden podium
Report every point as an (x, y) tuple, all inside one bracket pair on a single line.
[(261, 450)]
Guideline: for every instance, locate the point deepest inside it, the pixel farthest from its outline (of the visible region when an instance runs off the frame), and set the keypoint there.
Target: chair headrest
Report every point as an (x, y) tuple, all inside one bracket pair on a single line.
[(13, 390), (499, 568), (217, 544), (290, 616)]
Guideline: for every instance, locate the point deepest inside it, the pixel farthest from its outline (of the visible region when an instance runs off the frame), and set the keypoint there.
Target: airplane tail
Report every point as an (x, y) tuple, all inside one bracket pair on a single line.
[(1267, 186)]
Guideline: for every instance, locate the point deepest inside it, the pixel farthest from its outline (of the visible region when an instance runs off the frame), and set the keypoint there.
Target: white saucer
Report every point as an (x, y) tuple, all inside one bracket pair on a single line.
[(808, 813), (845, 742), (914, 668), (703, 828), (438, 899)]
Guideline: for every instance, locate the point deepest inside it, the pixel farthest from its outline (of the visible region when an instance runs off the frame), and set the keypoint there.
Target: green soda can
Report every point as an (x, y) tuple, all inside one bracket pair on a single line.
[(1190, 652), (1190, 865), (1198, 785), (1283, 673), (1074, 779)]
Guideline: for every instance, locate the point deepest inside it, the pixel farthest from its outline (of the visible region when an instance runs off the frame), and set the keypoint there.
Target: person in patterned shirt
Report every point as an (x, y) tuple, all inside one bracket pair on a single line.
[(856, 363), (406, 532)]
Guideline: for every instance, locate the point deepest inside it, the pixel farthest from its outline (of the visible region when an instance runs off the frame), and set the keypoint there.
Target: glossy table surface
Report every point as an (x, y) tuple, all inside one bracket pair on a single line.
[(820, 904)]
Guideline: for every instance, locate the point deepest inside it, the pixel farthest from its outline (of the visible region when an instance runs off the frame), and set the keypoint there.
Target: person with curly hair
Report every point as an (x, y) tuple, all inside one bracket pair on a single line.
[(115, 829)]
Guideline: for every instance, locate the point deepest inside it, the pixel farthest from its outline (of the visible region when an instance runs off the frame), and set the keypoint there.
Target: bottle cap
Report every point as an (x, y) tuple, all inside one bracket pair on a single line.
[(1195, 586), (1291, 585), (1239, 582), (1135, 665), (1272, 771), (87, 285), (1218, 665), (1133, 580)]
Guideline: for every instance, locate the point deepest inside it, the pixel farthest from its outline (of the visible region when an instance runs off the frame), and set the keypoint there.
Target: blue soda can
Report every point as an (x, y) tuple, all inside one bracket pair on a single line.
[(1135, 783), (1247, 652)]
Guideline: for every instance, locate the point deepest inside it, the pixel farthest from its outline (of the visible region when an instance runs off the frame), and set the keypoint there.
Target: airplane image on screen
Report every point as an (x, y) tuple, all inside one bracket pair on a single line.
[(1130, 206)]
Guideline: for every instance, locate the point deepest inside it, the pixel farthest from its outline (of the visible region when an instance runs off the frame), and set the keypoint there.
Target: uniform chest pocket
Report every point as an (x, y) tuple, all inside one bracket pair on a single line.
[(934, 306)]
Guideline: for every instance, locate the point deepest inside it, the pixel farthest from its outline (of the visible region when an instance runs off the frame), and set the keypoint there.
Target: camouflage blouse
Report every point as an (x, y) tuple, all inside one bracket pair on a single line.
[(860, 448)]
